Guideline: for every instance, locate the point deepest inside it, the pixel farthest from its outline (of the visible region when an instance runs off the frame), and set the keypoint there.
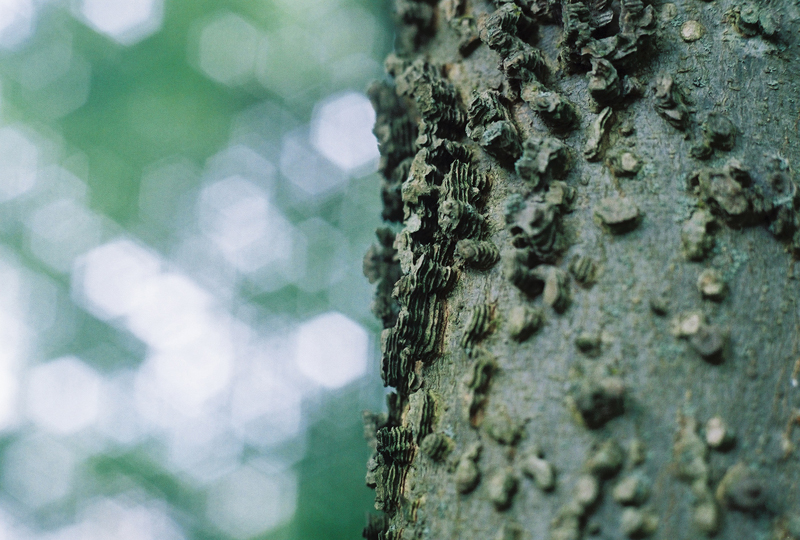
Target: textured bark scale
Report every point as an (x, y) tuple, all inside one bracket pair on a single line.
[(587, 279)]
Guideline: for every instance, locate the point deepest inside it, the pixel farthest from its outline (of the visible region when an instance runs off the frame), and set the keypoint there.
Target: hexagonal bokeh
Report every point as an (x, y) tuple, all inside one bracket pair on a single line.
[(64, 395), (16, 22), (62, 230), (341, 130), (306, 168), (331, 349), (19, 159), (250, 502), (227, 47), (109, 277), (124, 518), (124, 21), (39, 470), (55, 77)]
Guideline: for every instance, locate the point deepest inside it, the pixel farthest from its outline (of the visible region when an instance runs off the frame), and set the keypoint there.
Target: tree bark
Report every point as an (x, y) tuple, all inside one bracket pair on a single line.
[(629, 365)]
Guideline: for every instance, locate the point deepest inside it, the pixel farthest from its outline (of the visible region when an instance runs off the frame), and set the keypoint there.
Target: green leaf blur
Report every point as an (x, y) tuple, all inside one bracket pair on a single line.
[(196, 139)]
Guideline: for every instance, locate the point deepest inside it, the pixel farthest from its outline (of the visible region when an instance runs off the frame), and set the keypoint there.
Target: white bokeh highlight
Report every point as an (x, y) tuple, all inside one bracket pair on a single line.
[(109, 277), (203, 449), (306, 168), (190, 343), (119, 422), (119, 519), (16, 22), (285, 61), (18, 163), (241, 221), (240, 160), (265, 405), (64, 395), (170, 313), (331, 349), (249, 502), (344, 32), (185, 377), (124, 21), (14, 340), (341, 130)]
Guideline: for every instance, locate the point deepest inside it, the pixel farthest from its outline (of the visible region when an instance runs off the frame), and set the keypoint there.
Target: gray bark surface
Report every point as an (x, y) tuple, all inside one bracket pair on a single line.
[(643, 283)]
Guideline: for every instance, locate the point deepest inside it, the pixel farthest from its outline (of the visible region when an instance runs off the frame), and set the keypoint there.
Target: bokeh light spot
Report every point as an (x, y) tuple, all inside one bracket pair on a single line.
[(187, 377), (44, 62), (266, 408), (170, 312), (110, 276), (341, 130), (16, 22), (286, 63), (342, 33), (118, 519), (227, 49), (331, 349), (124, 21), (61, 231), (249, 502), (306, 168), (18, 163), (203, 448), (242, 161), (239, 219), (38, 470), (64, 395), (55, 77), (234, 213)]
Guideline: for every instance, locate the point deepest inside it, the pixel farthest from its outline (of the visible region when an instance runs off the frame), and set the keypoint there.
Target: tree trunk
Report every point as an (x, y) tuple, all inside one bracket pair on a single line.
[(589, 291)]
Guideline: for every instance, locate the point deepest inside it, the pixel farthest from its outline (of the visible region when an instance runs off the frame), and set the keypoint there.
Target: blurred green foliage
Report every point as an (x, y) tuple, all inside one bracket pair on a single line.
[(111, 114)]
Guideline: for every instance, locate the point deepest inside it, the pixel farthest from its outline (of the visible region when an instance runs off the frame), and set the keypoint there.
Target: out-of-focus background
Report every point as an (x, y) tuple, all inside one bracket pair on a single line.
[(187, 188)]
